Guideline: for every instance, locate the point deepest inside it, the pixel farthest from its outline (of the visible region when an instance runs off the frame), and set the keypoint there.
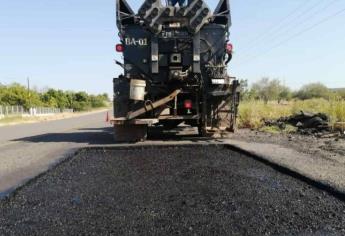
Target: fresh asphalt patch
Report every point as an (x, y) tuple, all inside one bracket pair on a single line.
[(183, 190)]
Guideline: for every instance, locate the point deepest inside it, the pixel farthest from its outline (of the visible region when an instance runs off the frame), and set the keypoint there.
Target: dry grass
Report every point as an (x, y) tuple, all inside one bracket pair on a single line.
[(11, 119), (252, 113)]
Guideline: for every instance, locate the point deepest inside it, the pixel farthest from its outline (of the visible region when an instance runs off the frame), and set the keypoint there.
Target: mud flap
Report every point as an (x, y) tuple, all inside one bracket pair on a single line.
[(130, 133)]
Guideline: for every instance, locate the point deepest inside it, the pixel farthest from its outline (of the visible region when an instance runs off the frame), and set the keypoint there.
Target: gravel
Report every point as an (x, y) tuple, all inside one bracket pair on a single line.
[(194, 190), (328, 148)]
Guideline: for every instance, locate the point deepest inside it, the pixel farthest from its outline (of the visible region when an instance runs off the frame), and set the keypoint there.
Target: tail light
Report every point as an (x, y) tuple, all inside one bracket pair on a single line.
[(229, 48), (188, 104), (119, 48)]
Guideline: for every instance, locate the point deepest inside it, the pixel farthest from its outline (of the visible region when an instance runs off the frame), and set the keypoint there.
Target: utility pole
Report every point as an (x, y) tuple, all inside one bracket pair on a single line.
[(28, 81)]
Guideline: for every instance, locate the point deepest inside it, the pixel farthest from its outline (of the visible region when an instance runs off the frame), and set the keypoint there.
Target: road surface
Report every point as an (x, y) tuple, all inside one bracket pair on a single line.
[(29, 149), (188, 190), (149, 190)]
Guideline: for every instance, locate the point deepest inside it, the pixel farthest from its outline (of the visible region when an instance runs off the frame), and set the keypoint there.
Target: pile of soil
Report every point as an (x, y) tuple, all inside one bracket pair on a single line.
[(307, 123)]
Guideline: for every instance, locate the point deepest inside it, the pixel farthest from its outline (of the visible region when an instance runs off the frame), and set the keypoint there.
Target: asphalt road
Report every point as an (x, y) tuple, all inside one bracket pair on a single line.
[(30, 149), (194, 190)]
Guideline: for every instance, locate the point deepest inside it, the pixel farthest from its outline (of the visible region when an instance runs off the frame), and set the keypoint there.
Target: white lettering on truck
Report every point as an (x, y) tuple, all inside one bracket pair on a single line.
[(136, 42)]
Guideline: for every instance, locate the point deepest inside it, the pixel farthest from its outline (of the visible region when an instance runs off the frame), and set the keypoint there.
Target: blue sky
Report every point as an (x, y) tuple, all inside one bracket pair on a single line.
[(69, 44)]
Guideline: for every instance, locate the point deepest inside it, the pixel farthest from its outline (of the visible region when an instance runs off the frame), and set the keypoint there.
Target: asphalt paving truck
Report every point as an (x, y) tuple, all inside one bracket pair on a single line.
[(175, 63)]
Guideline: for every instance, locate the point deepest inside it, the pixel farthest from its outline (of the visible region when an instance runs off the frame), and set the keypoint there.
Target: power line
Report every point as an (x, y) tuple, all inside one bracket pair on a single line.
[(287, 31), (310, 16), (291, 25), (274, 26), (298, 34)]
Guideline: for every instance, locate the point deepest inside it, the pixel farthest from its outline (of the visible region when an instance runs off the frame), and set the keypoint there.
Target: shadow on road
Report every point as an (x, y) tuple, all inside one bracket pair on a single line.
[(181, 133), (104, 136), (94, 136)]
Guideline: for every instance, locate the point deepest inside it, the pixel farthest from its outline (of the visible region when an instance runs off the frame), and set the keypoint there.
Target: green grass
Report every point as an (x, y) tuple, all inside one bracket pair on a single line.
[(275, 129), (252, 113)]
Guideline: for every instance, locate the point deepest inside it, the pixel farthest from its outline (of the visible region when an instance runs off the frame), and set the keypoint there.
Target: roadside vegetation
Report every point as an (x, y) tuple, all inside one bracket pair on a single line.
[(271, 99), (18, 95)]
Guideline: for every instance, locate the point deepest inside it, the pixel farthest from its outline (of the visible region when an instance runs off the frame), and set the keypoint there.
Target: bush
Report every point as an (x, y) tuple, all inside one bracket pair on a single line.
[(268, 90), (314, 90)]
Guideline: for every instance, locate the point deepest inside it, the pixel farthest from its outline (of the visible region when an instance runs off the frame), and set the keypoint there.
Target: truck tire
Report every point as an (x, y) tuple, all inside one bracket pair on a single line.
[(202, 131)]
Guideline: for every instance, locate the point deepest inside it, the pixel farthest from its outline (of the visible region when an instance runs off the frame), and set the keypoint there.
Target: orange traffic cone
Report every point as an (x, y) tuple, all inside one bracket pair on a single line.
[(107, 119)]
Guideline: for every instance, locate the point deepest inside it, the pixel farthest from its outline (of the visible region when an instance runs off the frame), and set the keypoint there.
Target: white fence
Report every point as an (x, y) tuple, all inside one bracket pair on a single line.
[(35, 111), (11, 110)]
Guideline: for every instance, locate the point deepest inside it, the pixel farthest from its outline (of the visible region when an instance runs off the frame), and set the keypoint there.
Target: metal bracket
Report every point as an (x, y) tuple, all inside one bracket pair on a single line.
[(153, 105), (124, 121), (196, 53), (154, 55)]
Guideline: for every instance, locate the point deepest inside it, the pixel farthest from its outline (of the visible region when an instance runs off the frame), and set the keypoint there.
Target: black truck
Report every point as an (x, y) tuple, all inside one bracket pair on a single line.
[(175, 62)]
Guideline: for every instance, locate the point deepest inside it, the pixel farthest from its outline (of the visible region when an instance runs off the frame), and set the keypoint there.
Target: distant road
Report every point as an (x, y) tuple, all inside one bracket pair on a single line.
[(9, 133), (29, 149)]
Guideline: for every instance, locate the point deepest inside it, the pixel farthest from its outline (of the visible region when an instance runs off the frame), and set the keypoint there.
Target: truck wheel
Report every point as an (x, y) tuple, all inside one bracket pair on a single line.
[(130, 133), (201, 131)]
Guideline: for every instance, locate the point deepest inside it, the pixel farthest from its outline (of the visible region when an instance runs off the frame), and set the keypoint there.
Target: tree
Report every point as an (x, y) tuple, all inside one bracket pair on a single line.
[(16, 94), (285, 93), (313, 90), (105, 97), (55, 98), (268, 90), (244, 89)]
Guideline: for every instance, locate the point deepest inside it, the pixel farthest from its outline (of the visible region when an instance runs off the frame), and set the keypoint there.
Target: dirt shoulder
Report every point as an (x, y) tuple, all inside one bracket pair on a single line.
[(328, 148), (319, 159)]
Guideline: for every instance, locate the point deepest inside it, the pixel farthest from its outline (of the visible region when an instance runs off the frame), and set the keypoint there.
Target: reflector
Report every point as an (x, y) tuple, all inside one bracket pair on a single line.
[(119, 48), (229, 48), (188, 104)]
